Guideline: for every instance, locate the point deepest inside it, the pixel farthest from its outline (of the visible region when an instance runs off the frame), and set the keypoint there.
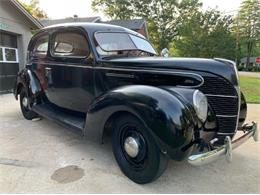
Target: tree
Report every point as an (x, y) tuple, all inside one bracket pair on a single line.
[(33, 8), (205, 34), (164, 17), (248, 31), (115, 9)]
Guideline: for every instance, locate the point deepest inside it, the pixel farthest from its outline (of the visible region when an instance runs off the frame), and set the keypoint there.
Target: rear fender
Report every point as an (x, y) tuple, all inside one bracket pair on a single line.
[(29, 81), (165, 115)]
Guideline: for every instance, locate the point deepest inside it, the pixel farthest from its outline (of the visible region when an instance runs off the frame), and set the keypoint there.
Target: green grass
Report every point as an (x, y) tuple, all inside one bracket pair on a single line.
[(251, 89)]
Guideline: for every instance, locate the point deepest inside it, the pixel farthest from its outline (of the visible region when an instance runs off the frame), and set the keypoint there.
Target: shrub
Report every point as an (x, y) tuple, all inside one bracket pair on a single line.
[(241, 68), (250, 68), (257, 69)]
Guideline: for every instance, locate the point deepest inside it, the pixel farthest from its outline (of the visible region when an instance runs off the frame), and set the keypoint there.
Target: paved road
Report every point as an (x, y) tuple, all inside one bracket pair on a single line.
[(42, 157), (250, 74)]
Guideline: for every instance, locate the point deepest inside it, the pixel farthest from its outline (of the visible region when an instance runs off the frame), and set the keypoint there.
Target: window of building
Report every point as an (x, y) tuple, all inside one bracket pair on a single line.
[(1, 55), (70, 44), (8, 40), (8, 55)]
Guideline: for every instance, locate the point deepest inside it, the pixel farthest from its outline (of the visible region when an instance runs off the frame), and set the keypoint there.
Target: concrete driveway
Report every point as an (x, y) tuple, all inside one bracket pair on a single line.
[(250, 74), (42, 157)]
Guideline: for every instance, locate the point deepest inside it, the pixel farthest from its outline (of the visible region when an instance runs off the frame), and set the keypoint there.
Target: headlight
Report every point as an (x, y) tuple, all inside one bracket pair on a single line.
[(200, 104)]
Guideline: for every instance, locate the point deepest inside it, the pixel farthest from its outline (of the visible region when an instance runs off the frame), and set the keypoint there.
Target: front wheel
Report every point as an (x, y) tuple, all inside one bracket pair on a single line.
[(25, 107), (136, 152)]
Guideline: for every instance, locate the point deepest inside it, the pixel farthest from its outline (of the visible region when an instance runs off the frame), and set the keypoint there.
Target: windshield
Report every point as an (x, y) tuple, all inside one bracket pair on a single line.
[(114, 43)]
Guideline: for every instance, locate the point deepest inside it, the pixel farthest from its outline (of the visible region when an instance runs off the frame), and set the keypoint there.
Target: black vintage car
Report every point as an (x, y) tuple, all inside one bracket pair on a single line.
[(100, 79)]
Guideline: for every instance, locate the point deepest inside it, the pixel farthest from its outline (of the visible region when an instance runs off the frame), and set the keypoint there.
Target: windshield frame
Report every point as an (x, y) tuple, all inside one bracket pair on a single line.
[(128, 33)]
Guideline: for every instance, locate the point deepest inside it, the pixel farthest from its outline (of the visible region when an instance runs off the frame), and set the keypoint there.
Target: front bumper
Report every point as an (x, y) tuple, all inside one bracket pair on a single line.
[(226, 149)]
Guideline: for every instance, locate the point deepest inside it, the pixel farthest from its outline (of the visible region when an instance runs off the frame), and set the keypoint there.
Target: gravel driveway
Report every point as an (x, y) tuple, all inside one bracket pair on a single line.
[(42, 157)]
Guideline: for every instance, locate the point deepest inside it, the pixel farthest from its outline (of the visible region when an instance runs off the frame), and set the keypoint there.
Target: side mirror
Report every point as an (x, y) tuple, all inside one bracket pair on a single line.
[(165, 53)]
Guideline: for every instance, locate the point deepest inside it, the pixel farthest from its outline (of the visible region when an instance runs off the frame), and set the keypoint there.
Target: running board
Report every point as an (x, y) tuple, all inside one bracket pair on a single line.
[(65, 118)]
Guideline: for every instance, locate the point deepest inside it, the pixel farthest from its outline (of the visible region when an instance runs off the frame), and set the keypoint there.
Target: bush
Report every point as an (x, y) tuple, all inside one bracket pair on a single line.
[(241, 68), (257, 69), (250, 68)]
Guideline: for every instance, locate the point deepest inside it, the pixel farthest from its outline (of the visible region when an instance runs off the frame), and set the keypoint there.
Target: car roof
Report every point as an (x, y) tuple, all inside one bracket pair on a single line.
[(93, 27), (90, 28)]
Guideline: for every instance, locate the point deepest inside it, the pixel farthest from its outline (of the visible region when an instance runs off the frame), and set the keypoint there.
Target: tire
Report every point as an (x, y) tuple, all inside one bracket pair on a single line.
[(27, 112), (143, 166)]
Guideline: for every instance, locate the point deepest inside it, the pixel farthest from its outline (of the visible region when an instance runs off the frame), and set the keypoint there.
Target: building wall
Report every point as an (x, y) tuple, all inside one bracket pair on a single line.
[(12, 21)]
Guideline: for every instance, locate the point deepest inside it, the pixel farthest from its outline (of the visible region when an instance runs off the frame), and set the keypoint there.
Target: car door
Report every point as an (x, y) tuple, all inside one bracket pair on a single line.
[(38, 55), (69, 72)]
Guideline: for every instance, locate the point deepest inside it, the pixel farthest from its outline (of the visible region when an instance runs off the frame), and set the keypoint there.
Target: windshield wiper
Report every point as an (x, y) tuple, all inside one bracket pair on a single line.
[(113, 56), (127, 55)]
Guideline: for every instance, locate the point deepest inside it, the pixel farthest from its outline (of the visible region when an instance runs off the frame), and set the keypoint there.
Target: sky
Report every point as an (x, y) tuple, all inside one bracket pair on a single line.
[(56, 9)]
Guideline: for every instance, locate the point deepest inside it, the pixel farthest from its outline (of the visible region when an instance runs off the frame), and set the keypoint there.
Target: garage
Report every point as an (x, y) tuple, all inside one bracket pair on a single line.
[(16, 29), (9, 62)]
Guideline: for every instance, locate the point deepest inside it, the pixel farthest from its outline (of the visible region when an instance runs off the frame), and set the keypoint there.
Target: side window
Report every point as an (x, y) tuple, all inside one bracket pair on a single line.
[(41, 46), (70, 44)]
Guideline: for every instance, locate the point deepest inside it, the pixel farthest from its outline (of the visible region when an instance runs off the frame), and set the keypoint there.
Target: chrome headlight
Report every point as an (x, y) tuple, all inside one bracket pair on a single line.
[(200, 104)]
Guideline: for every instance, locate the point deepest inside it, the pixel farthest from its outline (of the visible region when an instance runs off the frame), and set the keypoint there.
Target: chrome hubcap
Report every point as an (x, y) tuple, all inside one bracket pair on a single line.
[(131, 147), (25, 102)]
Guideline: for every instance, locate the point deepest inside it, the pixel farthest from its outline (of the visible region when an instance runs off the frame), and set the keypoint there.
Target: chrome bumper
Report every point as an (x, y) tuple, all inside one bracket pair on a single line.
[(226, 149)]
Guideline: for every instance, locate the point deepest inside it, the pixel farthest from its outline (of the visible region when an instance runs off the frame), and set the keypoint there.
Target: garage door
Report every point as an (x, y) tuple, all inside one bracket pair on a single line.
[(9, 63)]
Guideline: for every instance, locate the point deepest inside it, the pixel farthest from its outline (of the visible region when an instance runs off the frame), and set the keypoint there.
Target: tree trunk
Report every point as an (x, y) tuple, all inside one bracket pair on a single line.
[(249, 52)]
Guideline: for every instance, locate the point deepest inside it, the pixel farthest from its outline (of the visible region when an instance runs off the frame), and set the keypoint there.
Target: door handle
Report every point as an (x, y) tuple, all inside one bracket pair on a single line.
[(47, 71)]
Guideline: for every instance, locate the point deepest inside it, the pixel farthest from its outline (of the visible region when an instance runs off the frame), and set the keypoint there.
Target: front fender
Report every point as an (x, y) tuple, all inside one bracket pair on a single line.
[(243, 111), (166, 115), (26, 78)]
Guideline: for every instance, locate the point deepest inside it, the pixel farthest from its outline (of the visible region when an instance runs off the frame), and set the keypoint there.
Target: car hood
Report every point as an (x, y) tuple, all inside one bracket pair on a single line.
[(214, 66)]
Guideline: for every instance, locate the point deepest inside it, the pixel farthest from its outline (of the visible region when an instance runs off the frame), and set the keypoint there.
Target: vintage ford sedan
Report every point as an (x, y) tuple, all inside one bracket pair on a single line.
[(104, 79)]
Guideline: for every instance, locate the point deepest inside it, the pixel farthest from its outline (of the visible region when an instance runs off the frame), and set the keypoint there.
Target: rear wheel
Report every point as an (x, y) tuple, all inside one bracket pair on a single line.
[(25, 106), (136, 152)]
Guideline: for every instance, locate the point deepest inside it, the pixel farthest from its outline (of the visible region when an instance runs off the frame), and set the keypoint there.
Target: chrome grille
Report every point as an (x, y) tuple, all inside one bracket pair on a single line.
[(223, 105), (226, 125), (218, 86), (223, 99)]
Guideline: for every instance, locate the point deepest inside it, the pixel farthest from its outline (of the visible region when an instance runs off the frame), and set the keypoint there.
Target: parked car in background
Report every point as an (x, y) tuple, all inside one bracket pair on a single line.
[(100, 78)]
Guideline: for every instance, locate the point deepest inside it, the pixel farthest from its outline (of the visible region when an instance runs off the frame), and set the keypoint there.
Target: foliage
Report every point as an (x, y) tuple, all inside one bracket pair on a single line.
[(115, 9), (250, 88), (33, 8), (181, 26), (164, 17), (249, 68), (205, 34), (248, 29)]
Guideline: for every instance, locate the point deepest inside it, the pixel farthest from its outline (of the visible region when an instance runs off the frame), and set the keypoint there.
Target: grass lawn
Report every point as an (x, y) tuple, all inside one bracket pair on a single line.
[(251, 89)]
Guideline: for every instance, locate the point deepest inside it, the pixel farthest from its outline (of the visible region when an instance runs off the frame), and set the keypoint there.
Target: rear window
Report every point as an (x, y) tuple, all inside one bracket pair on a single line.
[(41, 46)]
